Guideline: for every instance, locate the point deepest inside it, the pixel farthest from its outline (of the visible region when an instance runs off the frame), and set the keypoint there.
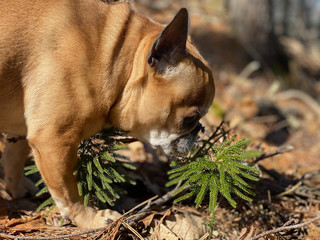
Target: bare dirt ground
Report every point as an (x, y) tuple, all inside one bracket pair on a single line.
[(254, 103)]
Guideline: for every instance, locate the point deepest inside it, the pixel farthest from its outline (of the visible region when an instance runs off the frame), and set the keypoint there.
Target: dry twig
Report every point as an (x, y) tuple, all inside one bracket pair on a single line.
[(285, 228), (274, 152)]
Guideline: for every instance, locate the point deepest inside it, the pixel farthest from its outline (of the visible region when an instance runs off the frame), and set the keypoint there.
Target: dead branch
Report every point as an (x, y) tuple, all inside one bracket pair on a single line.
[(213, 135), (148, 201), (285, 228), (274, 152)]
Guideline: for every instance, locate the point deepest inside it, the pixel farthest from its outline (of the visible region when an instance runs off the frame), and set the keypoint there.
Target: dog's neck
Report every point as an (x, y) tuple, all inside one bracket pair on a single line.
[(130, 69)]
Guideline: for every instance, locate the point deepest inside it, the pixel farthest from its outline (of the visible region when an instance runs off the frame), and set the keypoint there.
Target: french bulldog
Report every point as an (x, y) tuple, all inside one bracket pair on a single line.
[(69, 68)]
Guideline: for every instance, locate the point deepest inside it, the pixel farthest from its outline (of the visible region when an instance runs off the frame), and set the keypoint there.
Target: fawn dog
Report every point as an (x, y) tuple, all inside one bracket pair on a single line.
[(69, 68)]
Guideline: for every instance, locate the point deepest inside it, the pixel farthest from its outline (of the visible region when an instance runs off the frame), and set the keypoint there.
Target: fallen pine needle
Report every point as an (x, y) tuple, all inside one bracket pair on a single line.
[(4, 235), (132, 230)]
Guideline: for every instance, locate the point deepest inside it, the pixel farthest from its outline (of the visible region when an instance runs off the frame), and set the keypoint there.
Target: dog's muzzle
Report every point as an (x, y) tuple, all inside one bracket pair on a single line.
[(183, 144)]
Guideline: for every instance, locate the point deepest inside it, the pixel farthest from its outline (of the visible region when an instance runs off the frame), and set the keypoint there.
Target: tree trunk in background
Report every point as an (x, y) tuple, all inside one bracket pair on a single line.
[(271, 28), (252, 23)]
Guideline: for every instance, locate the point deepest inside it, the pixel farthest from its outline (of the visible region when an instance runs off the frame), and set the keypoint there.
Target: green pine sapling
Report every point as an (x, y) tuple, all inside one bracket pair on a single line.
[(100, 170), (214, 169)]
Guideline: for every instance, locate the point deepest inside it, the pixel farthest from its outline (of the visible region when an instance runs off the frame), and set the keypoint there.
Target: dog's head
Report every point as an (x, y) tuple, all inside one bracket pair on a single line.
[(166, 105)]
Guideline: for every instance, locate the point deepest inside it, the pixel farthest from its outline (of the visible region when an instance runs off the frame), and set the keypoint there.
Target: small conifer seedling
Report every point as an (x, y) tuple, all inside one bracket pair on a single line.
[(215, 169), (100, 170)]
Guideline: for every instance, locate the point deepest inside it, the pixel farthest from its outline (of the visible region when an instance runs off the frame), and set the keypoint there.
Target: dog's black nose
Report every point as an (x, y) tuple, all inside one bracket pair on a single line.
[(198, 128)]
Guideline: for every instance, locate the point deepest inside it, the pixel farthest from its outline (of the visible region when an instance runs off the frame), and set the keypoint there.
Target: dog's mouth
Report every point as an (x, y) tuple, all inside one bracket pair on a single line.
[(183, 144)]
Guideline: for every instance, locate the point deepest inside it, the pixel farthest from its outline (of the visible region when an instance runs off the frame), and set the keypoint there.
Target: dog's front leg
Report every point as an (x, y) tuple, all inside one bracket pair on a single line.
[(56, 160)]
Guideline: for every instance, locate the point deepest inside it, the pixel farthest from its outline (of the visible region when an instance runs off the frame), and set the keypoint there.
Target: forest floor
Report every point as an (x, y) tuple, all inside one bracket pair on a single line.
[(254, 103)]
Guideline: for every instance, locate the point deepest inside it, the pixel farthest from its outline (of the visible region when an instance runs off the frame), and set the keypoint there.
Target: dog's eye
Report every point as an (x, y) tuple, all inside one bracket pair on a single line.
[(190, 121)]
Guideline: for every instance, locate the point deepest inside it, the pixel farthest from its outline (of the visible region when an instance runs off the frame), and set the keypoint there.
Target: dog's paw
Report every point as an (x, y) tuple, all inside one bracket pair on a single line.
[(108, 215), (105, 217), (96, 219), (25, 187)]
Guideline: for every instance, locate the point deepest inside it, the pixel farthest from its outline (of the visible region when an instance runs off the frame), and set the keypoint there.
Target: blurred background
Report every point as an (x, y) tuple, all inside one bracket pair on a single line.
[(282, 35)]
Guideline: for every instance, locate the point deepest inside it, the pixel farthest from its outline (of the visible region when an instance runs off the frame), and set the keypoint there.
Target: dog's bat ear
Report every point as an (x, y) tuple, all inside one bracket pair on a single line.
[(172, 41)]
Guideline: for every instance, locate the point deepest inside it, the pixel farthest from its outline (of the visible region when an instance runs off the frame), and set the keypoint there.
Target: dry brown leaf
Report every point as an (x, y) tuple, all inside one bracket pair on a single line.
[(148, 220), (165, 233), (184, 225), (188, 226)]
